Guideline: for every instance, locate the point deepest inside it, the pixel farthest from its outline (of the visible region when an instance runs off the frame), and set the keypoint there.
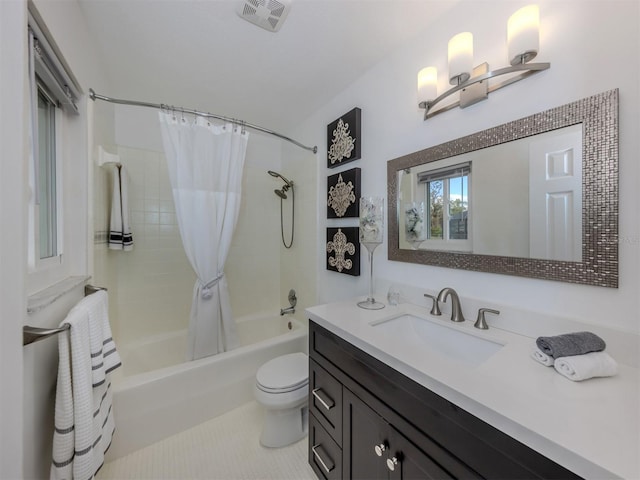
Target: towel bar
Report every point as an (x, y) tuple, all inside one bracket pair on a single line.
[(34, 334)]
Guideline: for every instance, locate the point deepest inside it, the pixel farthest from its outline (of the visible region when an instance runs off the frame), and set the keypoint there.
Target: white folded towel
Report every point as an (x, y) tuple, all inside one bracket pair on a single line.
[(541, 357), (120, 236), (589, 365), (84, 422)]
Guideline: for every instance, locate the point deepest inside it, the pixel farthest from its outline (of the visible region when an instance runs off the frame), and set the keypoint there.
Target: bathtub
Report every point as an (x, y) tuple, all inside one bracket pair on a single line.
[(156, 394)]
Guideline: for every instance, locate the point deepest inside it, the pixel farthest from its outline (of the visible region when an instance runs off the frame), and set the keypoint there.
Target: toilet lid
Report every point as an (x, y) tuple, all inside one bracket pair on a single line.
[(284, 374)]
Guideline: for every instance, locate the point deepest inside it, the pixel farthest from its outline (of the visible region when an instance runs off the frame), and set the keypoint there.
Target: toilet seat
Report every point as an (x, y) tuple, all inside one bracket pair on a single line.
[(284, 374)]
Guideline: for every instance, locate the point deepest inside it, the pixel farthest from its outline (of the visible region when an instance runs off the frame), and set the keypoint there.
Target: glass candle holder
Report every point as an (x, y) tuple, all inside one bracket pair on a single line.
[(371, 235)]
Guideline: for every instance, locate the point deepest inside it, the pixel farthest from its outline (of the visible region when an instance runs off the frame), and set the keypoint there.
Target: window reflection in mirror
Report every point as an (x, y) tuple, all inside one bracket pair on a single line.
[(438, 218)]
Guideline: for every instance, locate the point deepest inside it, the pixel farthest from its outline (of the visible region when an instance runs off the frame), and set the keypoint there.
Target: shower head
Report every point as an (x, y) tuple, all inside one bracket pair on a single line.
[(282, 192), (277, 175)]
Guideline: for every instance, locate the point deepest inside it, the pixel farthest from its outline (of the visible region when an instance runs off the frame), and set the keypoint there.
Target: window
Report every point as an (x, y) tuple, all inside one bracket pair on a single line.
[(447, 199), (52, 99), (47, 175)]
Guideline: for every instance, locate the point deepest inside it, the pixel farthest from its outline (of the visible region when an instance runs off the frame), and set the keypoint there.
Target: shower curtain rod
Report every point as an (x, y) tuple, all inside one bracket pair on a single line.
[(94, 96)]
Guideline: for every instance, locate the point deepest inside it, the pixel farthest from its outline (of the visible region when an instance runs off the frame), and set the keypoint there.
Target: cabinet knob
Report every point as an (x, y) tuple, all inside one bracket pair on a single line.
[(380, 449), (392, 463)]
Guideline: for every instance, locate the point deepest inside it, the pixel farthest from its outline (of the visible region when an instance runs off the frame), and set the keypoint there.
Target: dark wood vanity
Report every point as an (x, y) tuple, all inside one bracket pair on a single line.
[(368, 421)]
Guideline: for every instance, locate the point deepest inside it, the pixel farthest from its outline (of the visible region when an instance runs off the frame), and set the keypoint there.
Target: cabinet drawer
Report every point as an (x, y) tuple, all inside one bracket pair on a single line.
[(325, 400), (325, 456)]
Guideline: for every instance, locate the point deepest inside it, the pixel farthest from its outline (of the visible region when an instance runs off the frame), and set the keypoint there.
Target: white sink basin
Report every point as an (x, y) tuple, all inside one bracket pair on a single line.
[(456, 345)]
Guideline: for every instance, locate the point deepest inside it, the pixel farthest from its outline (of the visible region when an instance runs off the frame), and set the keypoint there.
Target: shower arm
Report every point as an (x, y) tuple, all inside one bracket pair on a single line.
[(94, 96)]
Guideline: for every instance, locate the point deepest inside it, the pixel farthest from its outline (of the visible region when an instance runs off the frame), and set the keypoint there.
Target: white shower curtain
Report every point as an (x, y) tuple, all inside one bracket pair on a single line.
[(205, 169)]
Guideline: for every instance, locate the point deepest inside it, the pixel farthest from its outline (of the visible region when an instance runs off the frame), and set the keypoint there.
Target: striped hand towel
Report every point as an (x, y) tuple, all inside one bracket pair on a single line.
[(120, 236), (84, 423)]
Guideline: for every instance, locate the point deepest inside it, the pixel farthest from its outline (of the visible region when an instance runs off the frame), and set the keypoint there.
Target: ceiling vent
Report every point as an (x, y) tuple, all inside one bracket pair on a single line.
[(268, 14)]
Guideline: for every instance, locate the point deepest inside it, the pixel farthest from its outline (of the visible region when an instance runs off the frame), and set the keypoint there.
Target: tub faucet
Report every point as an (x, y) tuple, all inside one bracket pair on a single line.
[(293, 300), (456, 309), (284, 311)]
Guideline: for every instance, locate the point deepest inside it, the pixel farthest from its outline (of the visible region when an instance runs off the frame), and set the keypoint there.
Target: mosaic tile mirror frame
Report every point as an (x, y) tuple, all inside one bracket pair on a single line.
[(598, 266)]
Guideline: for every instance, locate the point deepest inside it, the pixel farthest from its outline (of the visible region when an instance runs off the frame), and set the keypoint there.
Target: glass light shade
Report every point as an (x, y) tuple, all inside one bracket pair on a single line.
[(427, 84), (523, 34), (460, 53)]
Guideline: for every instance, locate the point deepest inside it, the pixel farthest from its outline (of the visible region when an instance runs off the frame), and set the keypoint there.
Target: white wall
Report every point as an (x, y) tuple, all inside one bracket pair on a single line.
[(298, 268), (65, 23), (592, 47), (13, 214)]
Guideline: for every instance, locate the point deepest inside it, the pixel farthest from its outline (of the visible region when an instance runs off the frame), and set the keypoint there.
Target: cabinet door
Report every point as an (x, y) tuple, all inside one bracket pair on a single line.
[(363, 430), (374, 449), (407, 462)]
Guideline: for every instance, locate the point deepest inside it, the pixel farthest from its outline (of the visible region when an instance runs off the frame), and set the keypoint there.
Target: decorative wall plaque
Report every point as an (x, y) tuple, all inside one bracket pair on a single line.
[(343, 250), (343, 139), (343, 194)]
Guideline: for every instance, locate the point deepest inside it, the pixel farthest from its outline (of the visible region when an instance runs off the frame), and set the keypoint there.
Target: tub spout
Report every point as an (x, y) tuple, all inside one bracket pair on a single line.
[(293, 301), (287, 310)]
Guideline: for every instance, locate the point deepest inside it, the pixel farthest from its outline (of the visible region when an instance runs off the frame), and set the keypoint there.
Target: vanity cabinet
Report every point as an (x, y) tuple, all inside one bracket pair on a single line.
[(368, 421)]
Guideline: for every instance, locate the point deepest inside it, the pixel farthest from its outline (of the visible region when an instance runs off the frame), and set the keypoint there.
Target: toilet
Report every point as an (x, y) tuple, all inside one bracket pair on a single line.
[(282, 388)]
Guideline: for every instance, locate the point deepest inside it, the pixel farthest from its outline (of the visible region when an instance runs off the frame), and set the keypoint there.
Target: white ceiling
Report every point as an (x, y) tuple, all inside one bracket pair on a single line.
[(200, 54)]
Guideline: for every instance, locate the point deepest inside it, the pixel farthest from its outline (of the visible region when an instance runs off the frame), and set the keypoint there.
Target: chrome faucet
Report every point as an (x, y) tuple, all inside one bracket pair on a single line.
[(293, 300), (456, 309)]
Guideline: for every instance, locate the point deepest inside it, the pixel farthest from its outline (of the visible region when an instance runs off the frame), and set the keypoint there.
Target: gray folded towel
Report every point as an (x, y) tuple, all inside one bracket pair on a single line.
[(570, 344)]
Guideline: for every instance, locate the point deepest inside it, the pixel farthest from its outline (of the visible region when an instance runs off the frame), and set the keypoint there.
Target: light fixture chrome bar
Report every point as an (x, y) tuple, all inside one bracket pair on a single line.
[(526, 70), (94, 96)]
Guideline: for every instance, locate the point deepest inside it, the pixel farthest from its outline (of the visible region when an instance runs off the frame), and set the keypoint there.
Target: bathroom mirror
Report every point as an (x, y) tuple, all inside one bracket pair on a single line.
[(536, 197)]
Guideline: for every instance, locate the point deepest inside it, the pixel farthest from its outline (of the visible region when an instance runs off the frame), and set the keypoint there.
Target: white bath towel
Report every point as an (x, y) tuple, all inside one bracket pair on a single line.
[(84, 421), (541, 357), (120, 236), (589, 365)]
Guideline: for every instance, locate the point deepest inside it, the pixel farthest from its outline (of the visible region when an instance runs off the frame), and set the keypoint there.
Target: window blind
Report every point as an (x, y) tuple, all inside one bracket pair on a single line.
[(452, 171), (50, 68)]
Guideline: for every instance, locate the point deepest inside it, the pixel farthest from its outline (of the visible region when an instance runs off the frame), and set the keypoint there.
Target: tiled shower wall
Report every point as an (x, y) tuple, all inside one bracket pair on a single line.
[(150, 287)]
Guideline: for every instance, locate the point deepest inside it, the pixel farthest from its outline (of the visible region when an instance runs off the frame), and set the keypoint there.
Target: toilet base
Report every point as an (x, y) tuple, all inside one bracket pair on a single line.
[(284, 427)]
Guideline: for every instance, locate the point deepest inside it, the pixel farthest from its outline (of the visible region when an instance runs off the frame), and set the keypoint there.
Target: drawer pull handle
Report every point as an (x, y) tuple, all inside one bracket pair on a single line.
[(326, 402), (380, 449), (392, 463), (328, 465)]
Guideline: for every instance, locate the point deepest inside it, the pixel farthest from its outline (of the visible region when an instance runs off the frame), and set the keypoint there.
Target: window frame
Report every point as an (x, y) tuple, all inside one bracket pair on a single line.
[(50, 77), (35, 261), (446, 243)]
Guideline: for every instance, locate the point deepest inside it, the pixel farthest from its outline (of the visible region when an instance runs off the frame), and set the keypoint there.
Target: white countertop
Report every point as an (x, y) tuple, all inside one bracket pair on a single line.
[(590, 427)]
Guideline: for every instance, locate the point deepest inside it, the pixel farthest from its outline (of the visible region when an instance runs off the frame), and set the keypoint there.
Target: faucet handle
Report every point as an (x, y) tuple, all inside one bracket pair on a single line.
[(435, 308), (481, 323)]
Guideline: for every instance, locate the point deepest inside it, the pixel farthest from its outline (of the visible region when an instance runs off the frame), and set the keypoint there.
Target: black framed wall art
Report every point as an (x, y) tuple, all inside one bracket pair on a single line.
[(343, 250), (343, 193), (343, 139)]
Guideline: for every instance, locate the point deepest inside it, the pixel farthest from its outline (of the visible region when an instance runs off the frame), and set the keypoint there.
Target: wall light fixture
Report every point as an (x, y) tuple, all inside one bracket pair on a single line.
[(473, 83)]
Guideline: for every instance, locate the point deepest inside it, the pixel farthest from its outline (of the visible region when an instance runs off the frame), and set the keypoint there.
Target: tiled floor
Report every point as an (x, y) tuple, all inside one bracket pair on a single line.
[(224, 448)]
